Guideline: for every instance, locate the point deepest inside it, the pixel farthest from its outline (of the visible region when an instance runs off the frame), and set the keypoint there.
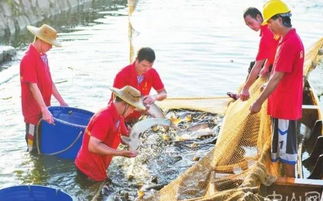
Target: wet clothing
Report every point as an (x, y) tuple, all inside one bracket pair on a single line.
[(285, 102), (34, 69), (144, 83), (284, 145), (30, 136), (106, 125), (267, 45)]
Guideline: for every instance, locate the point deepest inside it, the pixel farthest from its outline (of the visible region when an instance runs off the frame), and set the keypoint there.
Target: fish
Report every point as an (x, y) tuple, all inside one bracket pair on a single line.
[(200, 132), (133, 140), (111, 197), (197, 127), (192, 135), (195, 132), (155, 111), (154, 186), (178, 119)]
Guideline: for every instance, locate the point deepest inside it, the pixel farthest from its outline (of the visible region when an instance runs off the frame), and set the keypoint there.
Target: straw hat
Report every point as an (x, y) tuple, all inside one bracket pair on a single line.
[(45, 33), (130, 95)]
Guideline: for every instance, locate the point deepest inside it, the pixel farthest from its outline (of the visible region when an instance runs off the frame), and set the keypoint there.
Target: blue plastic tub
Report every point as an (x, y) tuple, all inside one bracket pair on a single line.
[(33, 193), (64, 138)]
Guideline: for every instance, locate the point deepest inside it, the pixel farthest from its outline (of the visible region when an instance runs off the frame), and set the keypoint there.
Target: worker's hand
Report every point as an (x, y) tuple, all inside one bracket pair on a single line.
[(244, 95), (129, 154), (263, 86), (264, 72), (148, 100), (255, 107), (47, 116), (64, 104)]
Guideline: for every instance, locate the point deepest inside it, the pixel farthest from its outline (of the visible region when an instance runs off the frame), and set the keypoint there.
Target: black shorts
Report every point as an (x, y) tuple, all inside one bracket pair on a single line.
[(284, 145)]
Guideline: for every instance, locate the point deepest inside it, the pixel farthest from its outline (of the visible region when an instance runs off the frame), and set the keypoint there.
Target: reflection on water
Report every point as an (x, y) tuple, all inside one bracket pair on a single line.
[(203, 48)]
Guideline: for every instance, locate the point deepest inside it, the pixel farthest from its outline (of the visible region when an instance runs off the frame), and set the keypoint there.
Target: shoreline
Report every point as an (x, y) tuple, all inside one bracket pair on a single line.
[(16, 15)]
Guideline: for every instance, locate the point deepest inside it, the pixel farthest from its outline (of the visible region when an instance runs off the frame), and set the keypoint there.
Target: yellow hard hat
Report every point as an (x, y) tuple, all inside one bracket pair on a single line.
[(274, 7)]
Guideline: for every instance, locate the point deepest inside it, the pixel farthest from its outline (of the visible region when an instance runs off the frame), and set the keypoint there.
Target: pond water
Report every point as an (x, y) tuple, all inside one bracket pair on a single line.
[(203, 48)]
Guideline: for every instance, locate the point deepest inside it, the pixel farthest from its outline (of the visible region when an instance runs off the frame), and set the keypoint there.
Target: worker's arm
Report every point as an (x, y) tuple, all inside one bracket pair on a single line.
[(46, 115), (244, 94), (265, 70), (98, 147), (271, 86), (161, 95)]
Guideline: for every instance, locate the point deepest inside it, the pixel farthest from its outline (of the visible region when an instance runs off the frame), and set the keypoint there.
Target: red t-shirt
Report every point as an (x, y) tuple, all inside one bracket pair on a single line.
[(148, 80), (285, 102), (267, 45), (106, 125), (34, 70)]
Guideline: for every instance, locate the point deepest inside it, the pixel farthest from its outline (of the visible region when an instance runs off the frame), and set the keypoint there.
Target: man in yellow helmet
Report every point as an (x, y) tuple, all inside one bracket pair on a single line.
[(285, 86)]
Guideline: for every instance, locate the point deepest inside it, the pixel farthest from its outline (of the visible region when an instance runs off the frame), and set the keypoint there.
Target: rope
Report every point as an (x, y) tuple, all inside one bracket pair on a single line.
[(198, 98), (60, 151), (97, 194), (68, 147), (37, 137)]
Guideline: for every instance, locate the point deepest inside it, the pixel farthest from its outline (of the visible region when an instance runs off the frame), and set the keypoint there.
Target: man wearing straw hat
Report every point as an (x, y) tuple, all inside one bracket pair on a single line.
[(102, 135), (142, 76), (285, 86), (37, 85)]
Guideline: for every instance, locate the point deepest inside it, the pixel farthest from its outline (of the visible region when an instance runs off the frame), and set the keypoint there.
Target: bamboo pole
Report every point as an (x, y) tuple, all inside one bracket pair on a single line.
[(131, 8)]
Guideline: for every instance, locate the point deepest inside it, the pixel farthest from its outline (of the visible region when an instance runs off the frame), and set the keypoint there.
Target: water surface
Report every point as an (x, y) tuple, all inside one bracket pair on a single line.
[(203, 48)]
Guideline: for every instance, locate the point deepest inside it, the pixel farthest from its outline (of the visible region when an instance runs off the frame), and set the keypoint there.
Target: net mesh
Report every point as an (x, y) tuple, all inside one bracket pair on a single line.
[(210, 104), (240, 161)]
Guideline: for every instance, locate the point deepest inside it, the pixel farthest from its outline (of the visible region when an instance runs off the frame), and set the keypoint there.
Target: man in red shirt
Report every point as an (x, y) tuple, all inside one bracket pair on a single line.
[(285, 87), (142, 76), (102, 135), (37, 85), (266, 51)]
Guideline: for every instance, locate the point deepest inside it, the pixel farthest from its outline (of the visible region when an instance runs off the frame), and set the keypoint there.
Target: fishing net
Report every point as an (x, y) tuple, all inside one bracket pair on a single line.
[(208, 104), (240, 162), (237, 163)]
